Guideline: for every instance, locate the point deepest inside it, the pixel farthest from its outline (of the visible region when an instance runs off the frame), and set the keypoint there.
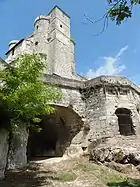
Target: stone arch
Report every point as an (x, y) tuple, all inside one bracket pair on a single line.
[(56, 135), (125, 121)]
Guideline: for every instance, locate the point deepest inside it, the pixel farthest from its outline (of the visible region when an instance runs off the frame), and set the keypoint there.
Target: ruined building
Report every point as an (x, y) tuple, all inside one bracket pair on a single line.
[(106, 106)]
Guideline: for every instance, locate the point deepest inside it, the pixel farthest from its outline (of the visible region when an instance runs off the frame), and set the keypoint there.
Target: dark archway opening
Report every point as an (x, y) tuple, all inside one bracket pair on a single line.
[(44, 143), (40, 143), (57, 132), (125, 121)]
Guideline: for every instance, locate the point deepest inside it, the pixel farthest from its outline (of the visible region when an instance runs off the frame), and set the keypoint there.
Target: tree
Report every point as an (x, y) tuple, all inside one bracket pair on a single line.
[(118, 11), (23, 94), (121, 9)]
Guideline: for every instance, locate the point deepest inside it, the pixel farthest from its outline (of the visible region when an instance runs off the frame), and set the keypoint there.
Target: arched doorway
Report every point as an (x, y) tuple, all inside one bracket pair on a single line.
[(125, 121), (56, 133), (43, 143)]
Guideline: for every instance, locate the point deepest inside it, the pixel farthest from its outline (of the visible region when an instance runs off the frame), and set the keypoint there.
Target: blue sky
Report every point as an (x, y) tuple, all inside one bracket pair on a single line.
[(116, 51)]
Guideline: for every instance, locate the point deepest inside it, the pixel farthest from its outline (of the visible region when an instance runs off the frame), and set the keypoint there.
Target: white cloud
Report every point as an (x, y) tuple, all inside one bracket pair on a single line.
[(111, 65)]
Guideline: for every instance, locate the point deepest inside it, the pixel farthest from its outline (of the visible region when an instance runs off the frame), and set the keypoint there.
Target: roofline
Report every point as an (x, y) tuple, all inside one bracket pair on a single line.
[(20, 41), (3, 61), (60, 10)]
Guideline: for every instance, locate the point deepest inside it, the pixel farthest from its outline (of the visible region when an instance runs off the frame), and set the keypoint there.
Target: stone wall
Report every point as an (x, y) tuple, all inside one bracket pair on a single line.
[(13, 155), (3, 151), (73, 124), (71, 96), (96, 119), (17, 156), (96, 101), (121, 98)]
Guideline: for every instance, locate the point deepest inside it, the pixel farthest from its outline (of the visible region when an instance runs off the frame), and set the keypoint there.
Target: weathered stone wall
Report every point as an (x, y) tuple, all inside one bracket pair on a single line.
[(103, 96), (71, 96), (17, 156), (3, 151), (95, 113), (121, 98), (73, 123), (96, 101)]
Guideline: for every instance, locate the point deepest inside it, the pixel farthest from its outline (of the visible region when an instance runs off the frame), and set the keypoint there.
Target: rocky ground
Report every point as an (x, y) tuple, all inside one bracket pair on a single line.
[(124, 150), (65, 172)]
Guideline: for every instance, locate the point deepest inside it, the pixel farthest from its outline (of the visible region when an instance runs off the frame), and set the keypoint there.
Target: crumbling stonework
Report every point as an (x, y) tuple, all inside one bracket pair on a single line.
[(17, 157), (106, 106), (106, 95), (3, 151), (119, 149)]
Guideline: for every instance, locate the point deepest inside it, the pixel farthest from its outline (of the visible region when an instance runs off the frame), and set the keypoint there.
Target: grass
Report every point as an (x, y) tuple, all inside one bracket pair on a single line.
[(102, 173), (125, 183), (74, 171), (108, 176), (67, 176)]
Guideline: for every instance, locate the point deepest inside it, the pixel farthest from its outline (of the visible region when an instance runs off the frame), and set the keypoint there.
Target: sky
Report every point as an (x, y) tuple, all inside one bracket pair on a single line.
[(114, 52)]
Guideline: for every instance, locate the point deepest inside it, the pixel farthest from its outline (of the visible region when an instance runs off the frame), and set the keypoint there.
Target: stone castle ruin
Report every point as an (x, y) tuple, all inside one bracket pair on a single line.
[(103, 107)]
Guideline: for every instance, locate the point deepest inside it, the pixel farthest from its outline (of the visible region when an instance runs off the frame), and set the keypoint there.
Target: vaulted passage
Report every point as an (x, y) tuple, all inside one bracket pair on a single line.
[(56, 133), (43, 143), (125, 121)]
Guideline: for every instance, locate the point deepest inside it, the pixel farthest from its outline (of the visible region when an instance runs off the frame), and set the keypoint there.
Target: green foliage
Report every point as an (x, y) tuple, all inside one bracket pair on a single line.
[(121, 9), (125, 183), (22, 91)]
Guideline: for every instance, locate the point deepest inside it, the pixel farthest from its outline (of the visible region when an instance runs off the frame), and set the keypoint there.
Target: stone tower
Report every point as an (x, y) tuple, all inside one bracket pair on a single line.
[(51, 37), (61, 47)]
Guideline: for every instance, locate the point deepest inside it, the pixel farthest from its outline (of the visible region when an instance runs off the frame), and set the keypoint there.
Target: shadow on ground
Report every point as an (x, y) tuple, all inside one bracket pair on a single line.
[(30, 176), (126, 183)]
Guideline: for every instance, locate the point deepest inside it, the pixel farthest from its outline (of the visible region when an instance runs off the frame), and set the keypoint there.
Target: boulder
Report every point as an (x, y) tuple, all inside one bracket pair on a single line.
[(123, 168), (135, 158), (116, 154), (100, 154)]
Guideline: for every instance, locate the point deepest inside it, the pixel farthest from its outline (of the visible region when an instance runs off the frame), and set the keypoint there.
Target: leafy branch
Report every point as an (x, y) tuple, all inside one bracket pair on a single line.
[(22, 91), (118, 11)]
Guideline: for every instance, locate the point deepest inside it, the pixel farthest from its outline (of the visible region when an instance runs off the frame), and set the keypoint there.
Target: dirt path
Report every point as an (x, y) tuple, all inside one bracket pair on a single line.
[(58, 172)]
